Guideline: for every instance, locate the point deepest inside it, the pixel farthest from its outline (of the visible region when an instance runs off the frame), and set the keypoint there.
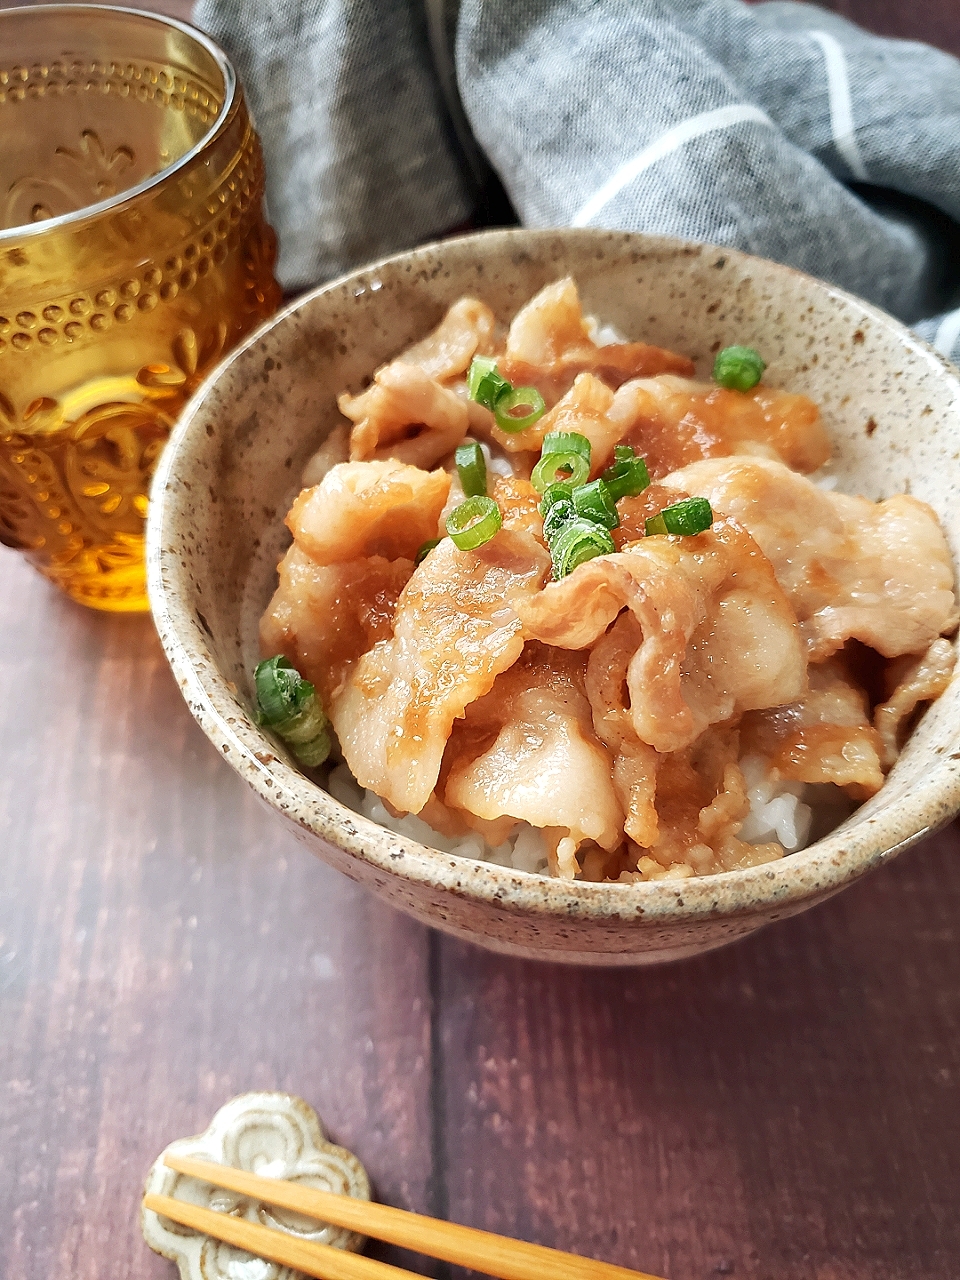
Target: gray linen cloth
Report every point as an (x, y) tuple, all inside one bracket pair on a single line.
[(778, 128)]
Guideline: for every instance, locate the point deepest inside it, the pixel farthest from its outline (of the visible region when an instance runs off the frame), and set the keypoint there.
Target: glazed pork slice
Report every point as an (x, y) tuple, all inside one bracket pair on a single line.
[(467, 330), (718, 634), (409, 412), (582, 409), (355, 538), (702, 803), (549, 344), (406, 415), (456, 628), (910, 682), (853, 569), (527, 750), (634, 762), (674, 421), (826, 736), (324, 617), (368, 508)]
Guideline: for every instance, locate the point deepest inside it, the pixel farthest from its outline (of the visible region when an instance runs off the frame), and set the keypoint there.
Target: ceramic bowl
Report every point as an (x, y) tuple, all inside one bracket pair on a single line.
[(227, 478)]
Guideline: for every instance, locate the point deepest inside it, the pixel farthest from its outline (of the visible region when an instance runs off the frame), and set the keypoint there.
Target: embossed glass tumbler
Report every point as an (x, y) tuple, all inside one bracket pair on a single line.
[(133, 255)]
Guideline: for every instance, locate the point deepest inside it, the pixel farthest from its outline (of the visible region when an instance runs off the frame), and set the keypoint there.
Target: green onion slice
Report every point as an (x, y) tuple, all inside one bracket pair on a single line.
[(288, 704), (560, 514), (627, 479), (579, 541), (565, 442), (594, 502), (425, 549), (628, 475), (569, 468), (471, 467), (738, 368), (484, 381), (554, 493), (512, 399), (686, 518), (474, 522)]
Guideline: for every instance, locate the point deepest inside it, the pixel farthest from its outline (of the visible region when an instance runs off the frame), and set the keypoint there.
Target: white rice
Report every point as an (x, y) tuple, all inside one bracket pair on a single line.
[(524, 851), (498, 463), (602, 335), (777, 813)]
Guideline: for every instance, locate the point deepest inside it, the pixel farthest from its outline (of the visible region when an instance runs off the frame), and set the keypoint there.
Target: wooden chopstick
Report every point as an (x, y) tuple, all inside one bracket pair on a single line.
[(308, 1256), (481, 1250)]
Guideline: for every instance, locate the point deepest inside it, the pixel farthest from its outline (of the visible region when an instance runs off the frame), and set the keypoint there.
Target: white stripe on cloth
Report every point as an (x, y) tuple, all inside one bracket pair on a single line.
[(672, 140), (948, 331), (841, 104)]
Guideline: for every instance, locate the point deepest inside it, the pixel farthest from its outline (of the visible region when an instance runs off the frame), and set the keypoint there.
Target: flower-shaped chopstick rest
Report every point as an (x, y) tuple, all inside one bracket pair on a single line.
[(272, 1134)]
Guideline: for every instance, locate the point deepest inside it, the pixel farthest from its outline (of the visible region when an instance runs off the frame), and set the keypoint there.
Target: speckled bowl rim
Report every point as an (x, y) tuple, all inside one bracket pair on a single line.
[(815, 872)]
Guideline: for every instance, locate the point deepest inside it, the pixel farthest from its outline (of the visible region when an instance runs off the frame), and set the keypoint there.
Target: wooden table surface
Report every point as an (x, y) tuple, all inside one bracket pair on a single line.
[(785, 1109)]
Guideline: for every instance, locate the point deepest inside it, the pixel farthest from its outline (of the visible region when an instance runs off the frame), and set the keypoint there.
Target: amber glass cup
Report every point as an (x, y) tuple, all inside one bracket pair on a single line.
[(133, 255)]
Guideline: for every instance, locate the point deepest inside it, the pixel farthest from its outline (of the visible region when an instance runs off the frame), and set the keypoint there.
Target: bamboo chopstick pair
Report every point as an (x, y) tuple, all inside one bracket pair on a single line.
[(481, 1250)]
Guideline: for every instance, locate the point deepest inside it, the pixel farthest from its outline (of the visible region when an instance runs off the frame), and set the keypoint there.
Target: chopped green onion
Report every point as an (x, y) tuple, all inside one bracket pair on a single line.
[(560, 514), (425, 549), (627, 477), (565, 442), (554, 493), (623, 453), (513, 398), (593, 501), (474, 522), (471, 467), (484, 381), (579, 541), (570, 469), (686, 518), (288, 704), (738, 368)]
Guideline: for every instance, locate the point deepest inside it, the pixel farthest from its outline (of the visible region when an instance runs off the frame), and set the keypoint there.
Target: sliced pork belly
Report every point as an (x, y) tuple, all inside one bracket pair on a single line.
[(584, 409), (406, 415), (719, 636), (323, 617), (701, 803), (672, 422), (853, 569), (549, 343), (634, 761), (911, 681), (369, 508), (826, 736), (528, 750), (519, 505), (456, 628), (467, 330)]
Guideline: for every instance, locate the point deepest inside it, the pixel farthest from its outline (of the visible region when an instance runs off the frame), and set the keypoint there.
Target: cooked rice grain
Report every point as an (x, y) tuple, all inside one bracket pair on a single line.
[(777, 813)]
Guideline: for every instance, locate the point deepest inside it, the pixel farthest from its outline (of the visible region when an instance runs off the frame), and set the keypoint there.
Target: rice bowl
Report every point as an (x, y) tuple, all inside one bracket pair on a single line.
[(234, 465)]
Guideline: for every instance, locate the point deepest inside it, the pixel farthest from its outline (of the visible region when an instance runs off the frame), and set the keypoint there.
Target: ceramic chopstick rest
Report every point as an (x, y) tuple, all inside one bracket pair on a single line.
[(272, 1134)]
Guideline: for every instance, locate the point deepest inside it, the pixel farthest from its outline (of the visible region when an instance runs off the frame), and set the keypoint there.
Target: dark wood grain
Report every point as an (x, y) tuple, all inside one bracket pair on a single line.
[(164, 945), (784, 1109)]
